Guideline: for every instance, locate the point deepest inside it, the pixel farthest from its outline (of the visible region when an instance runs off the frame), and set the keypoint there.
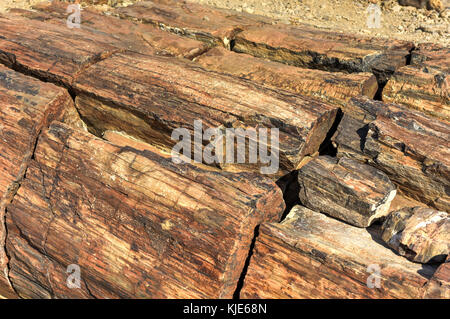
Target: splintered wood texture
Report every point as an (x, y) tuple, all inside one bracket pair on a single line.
[(411, 148), (420, 234), (345, 189), (431, 55), (439, 285), (148, 97), (310, 255), (26, 106), (137, 225), (331, 87), (424, 85), (304, 46), (200, 22), (50, 52), (143, 38)]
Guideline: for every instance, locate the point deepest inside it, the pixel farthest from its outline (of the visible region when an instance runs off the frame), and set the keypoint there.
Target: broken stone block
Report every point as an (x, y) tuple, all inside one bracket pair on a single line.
[(307, 47), (420, 234), (332, 87), (148, 97), (411, 148), (136, 224), (124, 34), (26, 107), (345, 189), (425, 84), (439, 285), (310, 255), (200, 22)]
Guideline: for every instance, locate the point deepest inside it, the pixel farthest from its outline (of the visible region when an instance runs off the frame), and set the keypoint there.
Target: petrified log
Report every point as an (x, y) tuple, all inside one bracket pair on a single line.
[(424, 85), (420, 234), (310, 255), (200, 22), (148, 97), (137, 225), (26, 107), (56, 53), (304, 46), (345, 189), (50, 52), (431, 55), (125, 34), (439, 284), (411, 148), (328, 86)]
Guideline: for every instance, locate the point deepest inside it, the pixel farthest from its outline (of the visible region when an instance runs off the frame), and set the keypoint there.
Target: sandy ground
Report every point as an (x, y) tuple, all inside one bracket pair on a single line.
[(400, 22)]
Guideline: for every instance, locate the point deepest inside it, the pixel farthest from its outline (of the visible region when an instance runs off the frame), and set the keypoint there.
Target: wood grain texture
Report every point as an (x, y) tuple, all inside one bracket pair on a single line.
[(310, 255), (439, 285), (147, 97), (200, 22), (307, 47), (328, 86), (50, 52), (138, 225), (425, 84), (420, 234), (410, 147), (345, 189), (26, 107), (125, 34)]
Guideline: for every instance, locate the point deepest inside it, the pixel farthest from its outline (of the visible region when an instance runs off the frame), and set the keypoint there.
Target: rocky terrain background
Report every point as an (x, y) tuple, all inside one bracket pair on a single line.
[(419, 24)]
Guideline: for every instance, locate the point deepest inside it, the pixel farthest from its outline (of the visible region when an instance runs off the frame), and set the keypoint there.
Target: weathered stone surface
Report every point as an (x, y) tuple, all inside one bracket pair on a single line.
[(26, 107), (51, 52), (425, 84), (345, 189), (431, 55), (439, 284), (415, 154), (147, 97), (304, 46), (124, 34), (200, 22), (137, 225), (328, 86), (310, 255), (420, 234), (410, 147)]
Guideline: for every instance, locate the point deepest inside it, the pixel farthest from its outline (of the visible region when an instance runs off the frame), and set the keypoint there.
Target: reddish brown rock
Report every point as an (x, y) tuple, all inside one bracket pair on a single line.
[(329, 86), (51, 52), (26, 107), (425, 84), (410, 147), (420, 234), (304, 46), (345, 189), (148, 97), (310, 255), (431, 55), (200, 22), (137, 225), (125, 34), (439, 285)]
